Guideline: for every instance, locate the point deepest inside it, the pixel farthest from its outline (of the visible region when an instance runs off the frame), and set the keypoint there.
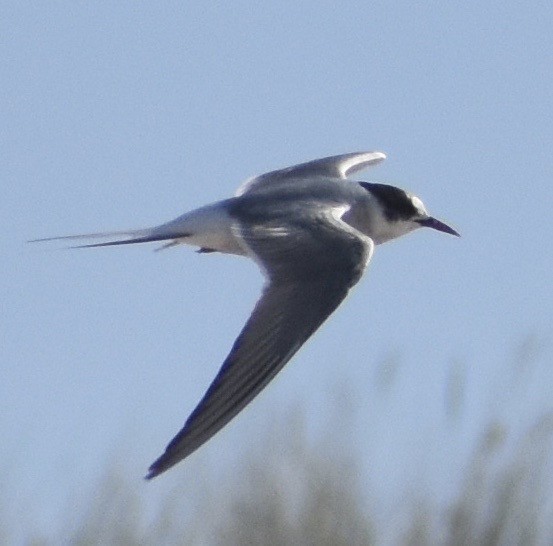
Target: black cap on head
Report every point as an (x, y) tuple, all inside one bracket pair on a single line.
[(396, 203)]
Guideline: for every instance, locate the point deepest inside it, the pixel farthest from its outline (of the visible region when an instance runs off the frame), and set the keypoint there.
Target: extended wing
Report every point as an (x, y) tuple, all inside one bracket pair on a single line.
[(311, 263), (336, 166)]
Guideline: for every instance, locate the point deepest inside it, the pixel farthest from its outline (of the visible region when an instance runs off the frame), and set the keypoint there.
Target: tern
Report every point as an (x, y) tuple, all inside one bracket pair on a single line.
[(312, 232)]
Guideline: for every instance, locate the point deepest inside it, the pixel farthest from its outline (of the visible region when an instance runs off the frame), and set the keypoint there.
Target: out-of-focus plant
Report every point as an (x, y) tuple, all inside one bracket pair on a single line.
[(296, 490)]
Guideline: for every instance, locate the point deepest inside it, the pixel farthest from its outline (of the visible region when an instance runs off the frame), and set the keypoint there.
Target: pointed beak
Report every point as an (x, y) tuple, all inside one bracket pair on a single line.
[(436, 224)]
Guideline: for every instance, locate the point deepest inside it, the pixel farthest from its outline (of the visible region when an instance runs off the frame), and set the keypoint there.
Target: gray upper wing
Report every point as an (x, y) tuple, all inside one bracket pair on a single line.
[(336, 166), (311, 263)]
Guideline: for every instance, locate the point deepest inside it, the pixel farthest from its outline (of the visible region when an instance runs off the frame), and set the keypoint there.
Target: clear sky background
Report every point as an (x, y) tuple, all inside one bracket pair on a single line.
[(127, 114)]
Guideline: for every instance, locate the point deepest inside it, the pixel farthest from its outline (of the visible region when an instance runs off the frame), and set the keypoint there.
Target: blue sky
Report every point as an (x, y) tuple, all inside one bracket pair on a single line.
[(128, 114)]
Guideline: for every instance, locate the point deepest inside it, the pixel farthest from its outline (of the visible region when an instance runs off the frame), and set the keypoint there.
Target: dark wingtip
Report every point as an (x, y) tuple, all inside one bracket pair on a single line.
[(153, 471), (151, 475), (159, 466)]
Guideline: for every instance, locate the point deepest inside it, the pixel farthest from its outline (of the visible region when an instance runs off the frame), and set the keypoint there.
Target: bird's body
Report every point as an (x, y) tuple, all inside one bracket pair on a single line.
[(312, 232)]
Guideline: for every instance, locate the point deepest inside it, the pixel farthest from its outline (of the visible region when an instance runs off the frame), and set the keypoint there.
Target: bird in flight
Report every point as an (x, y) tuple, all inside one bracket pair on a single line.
[(312, 232)]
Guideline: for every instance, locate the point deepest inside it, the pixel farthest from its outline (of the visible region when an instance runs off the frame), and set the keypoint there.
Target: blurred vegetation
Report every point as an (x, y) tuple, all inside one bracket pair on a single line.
[(300, 491)]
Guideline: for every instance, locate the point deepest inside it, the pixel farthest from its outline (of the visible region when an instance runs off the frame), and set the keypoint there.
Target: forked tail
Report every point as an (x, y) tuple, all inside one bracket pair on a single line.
[(128, 237)]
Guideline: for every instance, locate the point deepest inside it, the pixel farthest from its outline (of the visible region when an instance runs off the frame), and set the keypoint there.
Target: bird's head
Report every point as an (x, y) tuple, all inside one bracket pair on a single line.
[(401, 212)]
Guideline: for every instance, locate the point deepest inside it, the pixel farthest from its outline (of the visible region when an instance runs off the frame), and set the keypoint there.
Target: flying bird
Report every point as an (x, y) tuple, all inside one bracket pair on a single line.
[(312, 232)]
